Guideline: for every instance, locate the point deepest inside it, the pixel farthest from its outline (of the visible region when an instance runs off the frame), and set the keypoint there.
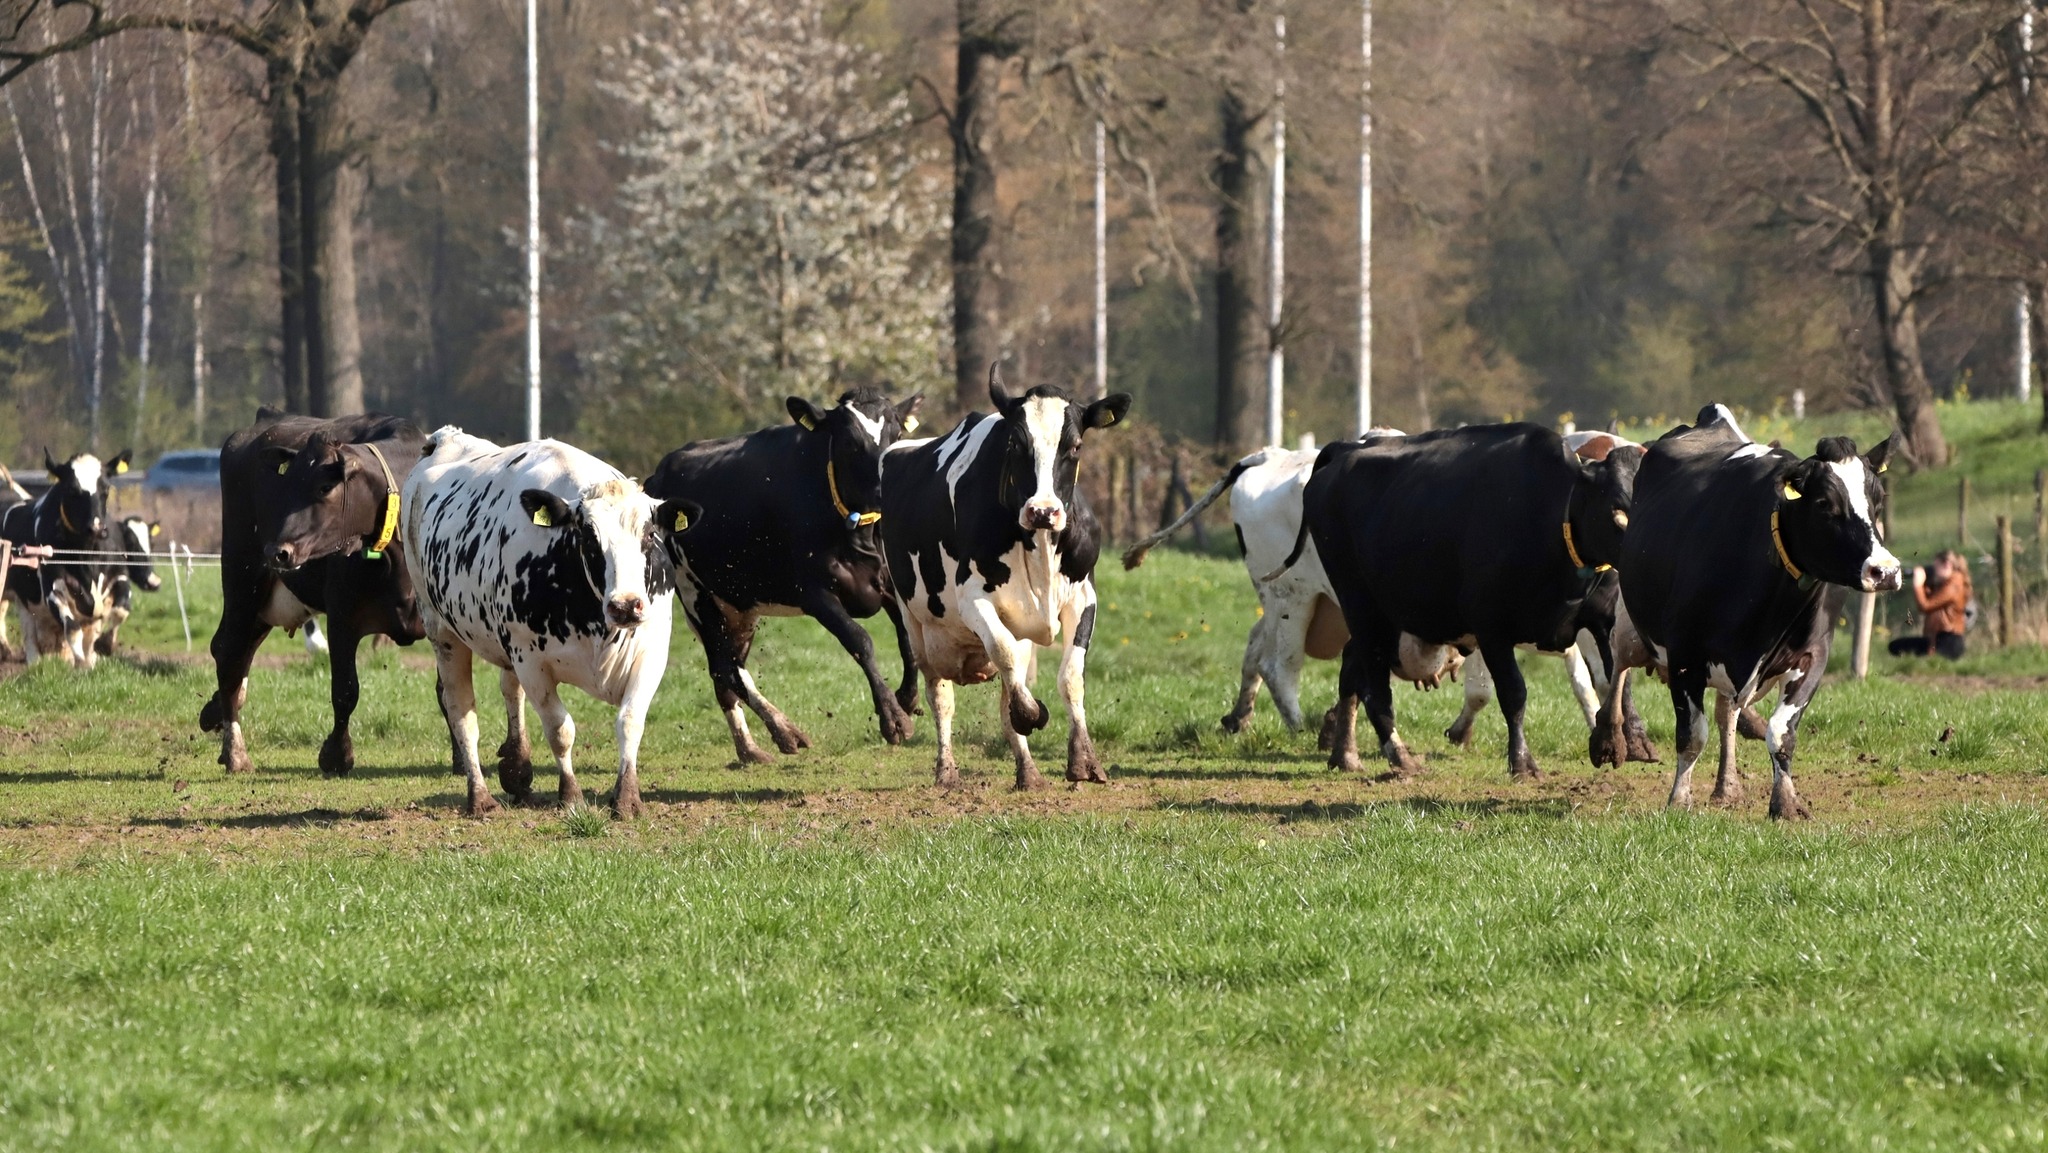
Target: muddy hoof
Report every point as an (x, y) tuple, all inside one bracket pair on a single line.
[(1728, 797), (906, 699), (896, 726), (1024, 719), (1787, 806), (1346, 762), (1750, 725), (627, 806), (516, 778), (1524, 769), (1601, 750), (1029, 781), (947, 774), (337, 756), (1640, 750), (568, 793), (791, 739), (1460, 734), (481, 804), (1082, 764), (753, 755), (236, 760), (1232, 723), (210, 719)]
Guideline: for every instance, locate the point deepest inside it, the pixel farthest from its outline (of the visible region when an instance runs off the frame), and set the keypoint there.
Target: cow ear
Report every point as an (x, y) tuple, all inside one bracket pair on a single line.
[(804, 412), (1107, 411), (678, 516), (51, 465), (277, 458), (119, 464), (997, 394), (906, 413), (1880, 457), (546, 509)]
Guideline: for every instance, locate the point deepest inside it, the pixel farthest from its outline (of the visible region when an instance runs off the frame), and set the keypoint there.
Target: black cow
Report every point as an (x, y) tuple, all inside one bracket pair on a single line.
[(129, 536), (1738, 558), (1489, 536), (992, 550), (64, 601), (788, 528), (281, 563)]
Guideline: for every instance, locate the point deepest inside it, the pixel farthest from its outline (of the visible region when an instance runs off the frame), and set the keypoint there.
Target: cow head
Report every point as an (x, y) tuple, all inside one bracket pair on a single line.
[(624, 541), (1603, 493), (854, 433), (1045, 428), (79, 491), (328, 497), (132, 536), (1830, 516)]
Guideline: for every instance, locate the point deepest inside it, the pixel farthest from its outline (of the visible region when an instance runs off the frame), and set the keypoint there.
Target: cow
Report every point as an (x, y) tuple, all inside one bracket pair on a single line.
[(992, 550), (555, 567), (1489, 536), (271, 577), (63, 602), (789, 528), (129, 536), (1299, 618), (1738, 558)]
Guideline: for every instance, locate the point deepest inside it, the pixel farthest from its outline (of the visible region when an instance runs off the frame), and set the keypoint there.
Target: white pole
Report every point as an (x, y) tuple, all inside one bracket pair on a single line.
[(1365, 229), (2023, 305), (1101, 264), (1276, 361), (533, 219)]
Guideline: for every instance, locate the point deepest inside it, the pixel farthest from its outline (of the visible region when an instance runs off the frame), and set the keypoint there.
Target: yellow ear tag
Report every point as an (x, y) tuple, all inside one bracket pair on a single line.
[(1886, 466), (1791, 493), (120, 467), (541, 517), (808, 423), (909, 425), (282, 467), (682, 521), (156, 530)]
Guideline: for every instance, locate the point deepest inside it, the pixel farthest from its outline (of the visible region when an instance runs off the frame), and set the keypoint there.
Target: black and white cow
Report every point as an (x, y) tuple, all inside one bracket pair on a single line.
[(1490, 536), (789, 528), (551, 565), (64, 602), (130, 536), (1738, 558), (992, 550)]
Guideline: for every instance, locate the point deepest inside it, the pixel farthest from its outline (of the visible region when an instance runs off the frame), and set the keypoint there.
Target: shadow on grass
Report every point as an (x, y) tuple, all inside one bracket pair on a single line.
[(1304, 770), (53, 777), (316, 817), (1554, 809), (730, 796)]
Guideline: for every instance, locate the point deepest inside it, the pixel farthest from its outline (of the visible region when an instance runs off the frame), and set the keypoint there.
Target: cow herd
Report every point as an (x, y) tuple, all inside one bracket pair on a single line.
[(1709, 559)]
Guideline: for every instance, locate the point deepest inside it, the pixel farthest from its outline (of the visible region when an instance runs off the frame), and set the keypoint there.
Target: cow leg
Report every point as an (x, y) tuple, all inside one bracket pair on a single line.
[(825, 608), (1634, 735), (1728, 778), (338, 751), (1282, 656), (1513, 692), (781, 730), (457, 690), (1248, 679), (906, 692), (515, 754), (1688, 701), (1023, 712), (1782, 737), (629, 727), (234, 647), (1583, 688), (722, 657), (940, 692), (1077, 622), (560, 730), (1478, 694)]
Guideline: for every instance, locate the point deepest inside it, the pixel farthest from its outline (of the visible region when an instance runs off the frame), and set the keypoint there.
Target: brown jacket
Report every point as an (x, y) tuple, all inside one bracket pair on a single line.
[(1943, 604)]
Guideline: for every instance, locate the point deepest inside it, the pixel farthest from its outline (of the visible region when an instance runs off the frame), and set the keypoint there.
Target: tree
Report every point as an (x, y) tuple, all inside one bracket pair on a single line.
[(303, 46), (776, 236), (1889, 94), (990, 33)]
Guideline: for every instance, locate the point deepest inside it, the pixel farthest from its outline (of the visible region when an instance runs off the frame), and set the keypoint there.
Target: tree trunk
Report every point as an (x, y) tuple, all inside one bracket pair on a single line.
[(336, 187), (2038, 292), (284, 153), (1898, 323), (977, 338), (1240, 333)]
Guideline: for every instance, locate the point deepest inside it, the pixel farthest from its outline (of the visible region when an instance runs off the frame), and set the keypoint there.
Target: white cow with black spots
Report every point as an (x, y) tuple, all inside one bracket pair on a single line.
[(555, 567)]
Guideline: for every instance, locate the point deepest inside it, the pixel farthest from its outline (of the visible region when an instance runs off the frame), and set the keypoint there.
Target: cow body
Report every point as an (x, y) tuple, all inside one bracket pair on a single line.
[(788, 529), (1486, 537), (65, 601), (992, 551), (1735, 565), (129, 536), (555, 567), (361, 595)]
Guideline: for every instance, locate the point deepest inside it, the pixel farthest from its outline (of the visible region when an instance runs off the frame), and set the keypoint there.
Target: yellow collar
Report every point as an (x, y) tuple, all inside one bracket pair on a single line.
[(853, 519), (1784, 558), (390, 528), (1571, 549)]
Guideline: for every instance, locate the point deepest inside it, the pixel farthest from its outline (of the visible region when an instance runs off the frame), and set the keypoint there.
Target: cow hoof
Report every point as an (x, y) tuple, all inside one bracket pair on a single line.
[(1029, 780), (1640, 750), (1523, 774), (210, 719), (1750, 725), (568, 793), (906, 699), (236, 760), (1025, 721), (896, 726), (627, 807), (751, 754), (1232, 723), (337, 757), (790, 739), (1728, 796), (481, 804), (516, 778), (946, 775), (1601, 750), (1346, 762), (1786, 806)]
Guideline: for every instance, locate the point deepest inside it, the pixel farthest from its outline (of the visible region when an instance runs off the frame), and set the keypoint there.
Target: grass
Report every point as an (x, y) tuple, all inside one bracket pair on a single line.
[(1227, 947)]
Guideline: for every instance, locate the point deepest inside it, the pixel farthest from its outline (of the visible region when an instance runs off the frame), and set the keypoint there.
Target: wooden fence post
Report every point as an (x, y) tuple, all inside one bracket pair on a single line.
[(2041, 519), (1963, 513), (1859, 660), (1119, 466), (2005, 580)]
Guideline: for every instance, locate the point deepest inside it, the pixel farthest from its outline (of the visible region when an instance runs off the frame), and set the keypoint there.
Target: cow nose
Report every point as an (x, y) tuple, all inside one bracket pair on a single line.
[(282, 558), (154, 582), (626, 609), (1043, 514), (1882, 577)]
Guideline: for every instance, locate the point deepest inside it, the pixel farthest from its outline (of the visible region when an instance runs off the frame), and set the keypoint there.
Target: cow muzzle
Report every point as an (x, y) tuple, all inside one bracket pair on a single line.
[(1881, 575), (1043, 515), (154, 583), (626, 610), (282, 559)]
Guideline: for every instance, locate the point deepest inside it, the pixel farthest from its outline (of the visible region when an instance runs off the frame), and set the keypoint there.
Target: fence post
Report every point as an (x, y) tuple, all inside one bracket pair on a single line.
[(1859, 660), (1119, 466), (1963, 512), (2005, 581), (2041, 519)]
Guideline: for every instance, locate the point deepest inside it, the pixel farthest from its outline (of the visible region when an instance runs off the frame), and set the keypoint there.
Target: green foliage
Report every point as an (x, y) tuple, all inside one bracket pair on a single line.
[(23, 308)]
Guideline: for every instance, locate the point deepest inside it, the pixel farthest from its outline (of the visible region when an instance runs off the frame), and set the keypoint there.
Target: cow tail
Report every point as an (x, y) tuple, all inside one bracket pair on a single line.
[(1300, 543), (1135, 555)]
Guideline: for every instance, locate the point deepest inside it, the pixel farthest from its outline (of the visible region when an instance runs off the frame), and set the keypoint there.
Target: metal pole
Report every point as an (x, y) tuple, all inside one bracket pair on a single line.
[(533, 219), (1276, 359), (1365, 229), (1101, 263)]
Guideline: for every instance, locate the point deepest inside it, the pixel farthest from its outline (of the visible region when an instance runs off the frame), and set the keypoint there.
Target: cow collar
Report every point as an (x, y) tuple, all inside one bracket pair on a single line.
[(1571, 549), (854, 520), (389, 528), (1785, 558)]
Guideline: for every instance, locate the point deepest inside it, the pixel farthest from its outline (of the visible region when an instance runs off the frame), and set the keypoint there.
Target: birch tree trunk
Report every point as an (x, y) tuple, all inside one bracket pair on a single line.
[(1240, 331), (148, 268)]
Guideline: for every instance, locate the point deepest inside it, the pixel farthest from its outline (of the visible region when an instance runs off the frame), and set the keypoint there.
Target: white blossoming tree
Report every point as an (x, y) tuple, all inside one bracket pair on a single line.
[(779, 235)]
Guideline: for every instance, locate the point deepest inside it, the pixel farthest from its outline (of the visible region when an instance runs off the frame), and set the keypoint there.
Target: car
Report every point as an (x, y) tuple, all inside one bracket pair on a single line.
[(184, 471)]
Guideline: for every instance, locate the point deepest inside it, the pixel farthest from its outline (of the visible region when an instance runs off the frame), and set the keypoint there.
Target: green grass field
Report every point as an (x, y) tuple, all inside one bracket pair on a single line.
[(1227, 947)]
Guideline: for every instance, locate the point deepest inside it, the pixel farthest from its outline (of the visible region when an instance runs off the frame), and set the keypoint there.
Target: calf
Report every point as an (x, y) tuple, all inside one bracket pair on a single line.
[(1299, 617), (280, 564), (1738, 557), (790, 528), (553, 566), (1491, 536), (129, 536), (992, 550), (63, 602)]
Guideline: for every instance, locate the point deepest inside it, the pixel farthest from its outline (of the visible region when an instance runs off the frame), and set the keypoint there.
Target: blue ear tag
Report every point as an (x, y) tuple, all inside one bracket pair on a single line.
[(853, 520)]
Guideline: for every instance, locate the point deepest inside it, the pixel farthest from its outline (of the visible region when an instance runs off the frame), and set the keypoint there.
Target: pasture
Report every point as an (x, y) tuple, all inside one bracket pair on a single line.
[(1227, 947)]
